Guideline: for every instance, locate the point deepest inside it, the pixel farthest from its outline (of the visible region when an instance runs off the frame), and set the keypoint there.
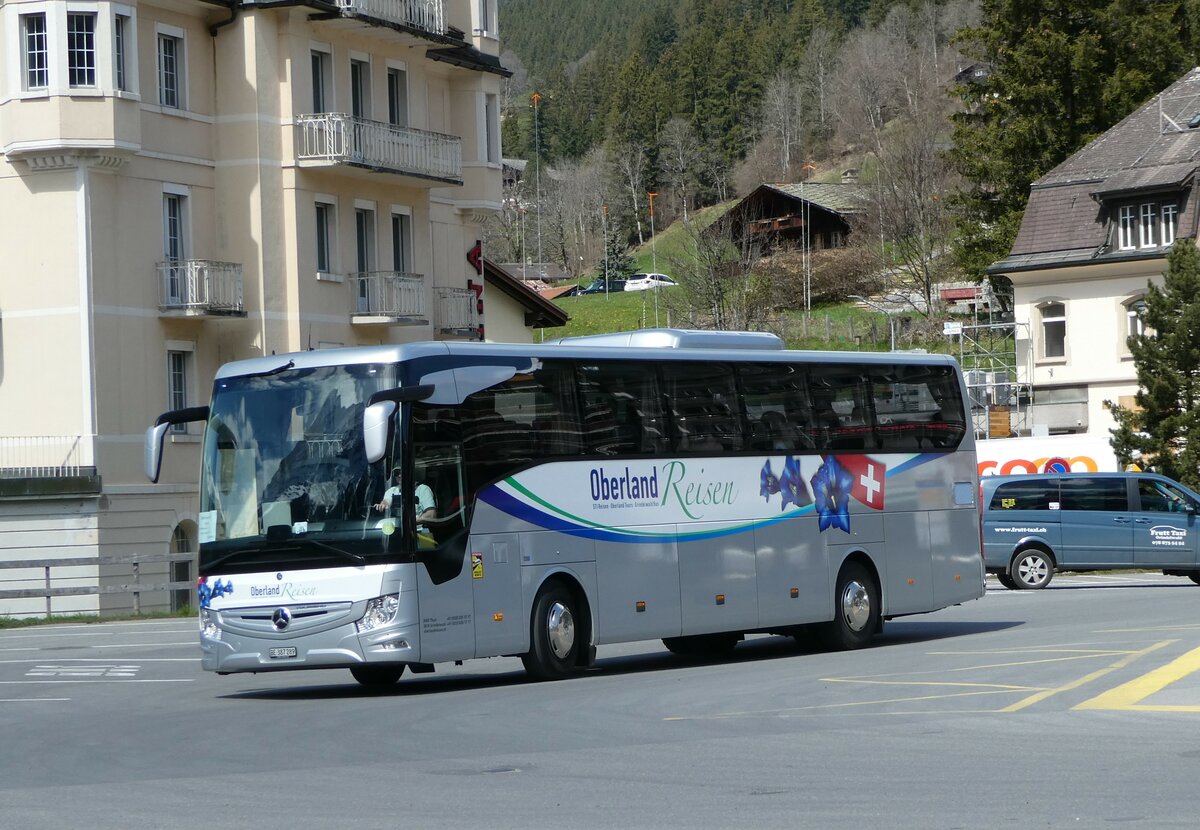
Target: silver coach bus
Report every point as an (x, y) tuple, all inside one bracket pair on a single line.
[(399, 506)]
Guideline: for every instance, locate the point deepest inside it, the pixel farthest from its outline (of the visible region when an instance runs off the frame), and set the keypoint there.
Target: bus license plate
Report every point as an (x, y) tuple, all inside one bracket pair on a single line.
[(287, 651)]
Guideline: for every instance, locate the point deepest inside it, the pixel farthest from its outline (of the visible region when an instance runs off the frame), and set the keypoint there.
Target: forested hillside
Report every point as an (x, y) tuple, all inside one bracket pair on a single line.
[(700, 101)]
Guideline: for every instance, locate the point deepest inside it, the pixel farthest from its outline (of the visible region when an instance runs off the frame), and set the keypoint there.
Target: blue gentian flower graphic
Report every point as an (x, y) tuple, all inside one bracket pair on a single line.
[(791, 485), (831, 489), (768, 484), (203, 592)]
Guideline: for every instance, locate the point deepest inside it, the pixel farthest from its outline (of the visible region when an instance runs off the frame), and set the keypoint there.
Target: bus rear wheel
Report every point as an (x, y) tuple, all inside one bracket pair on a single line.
[(711, 646), (553, 640), (377, 677), (856, 610)]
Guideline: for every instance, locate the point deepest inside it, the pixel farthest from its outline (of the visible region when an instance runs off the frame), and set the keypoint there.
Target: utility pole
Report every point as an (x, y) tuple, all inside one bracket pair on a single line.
[(537, 172), (604, 225), (653, 257)]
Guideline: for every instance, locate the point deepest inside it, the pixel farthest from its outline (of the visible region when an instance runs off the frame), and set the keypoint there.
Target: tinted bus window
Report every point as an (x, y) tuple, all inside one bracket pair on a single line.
[(1106, 494), (1026, 495), (622, 408), (843, 417), (705, 410), (777, 407), (918, 407)]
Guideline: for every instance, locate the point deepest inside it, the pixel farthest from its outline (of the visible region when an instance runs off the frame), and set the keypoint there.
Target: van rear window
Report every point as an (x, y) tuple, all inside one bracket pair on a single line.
[(1025, 495)]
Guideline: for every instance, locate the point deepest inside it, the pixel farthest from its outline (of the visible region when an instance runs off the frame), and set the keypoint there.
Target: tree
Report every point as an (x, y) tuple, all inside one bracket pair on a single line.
[(679, 156), (1165, 424), (720, 288)]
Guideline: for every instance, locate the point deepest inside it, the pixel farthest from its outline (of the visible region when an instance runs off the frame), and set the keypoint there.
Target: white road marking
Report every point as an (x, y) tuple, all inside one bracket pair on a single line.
[(33, 699), (82, 671)]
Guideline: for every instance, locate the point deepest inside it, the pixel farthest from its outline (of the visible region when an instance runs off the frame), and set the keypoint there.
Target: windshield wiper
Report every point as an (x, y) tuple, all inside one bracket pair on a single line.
[(287, 544), (290, 364)]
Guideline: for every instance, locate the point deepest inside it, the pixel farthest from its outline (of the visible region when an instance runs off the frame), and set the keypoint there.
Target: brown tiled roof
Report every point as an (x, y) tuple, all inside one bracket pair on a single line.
[(1152, 149)]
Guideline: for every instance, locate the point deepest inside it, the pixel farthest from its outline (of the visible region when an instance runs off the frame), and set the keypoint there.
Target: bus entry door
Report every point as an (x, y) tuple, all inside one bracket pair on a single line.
[(447, 618), (500, 624)]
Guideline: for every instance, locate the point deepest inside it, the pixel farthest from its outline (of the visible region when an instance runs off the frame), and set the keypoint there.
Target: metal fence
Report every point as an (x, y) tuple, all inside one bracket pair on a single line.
[(130, 583), (427, 15), (201, 285), (457, 309), (388, 294), (348, 139), (40, 456)]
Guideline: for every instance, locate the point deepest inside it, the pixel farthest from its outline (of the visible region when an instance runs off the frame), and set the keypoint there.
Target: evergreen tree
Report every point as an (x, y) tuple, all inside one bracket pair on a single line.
[(619, 262), (1165, 426)]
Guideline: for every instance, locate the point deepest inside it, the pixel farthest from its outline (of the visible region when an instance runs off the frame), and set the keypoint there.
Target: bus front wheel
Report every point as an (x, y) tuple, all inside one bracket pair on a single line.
[(553, 634), (377, 677), (856, 610)]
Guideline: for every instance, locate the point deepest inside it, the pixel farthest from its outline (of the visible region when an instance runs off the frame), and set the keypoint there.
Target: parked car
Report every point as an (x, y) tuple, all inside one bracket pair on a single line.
[(597, 287), (1034, 525), (640, 282)]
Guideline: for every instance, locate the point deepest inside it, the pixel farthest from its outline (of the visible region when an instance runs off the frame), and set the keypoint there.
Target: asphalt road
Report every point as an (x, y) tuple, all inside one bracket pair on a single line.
[(1077, 706)]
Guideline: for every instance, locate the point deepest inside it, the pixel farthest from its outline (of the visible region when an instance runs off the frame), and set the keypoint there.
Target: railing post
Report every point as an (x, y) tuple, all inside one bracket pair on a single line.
[(48, 600), (137, 595)]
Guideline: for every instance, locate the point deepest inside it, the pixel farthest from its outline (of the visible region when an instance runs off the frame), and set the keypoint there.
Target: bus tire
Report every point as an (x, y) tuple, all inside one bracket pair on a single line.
[(856, 610), (1007, 581), (1032, 569), (553, 634), (377, 677), (709, 646)]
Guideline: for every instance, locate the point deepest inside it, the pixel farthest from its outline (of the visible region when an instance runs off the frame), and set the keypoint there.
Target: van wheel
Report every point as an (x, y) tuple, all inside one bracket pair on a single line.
[(856, 610), (1007, 581), (377, 677), (1032, 568), (553, 641)]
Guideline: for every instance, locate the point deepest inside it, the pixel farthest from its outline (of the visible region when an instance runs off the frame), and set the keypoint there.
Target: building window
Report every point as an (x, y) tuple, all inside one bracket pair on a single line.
[(360, 89), (487, 17), (1170, 218), (1054, 330), (397, 97), (324, 234), (1125, 241), (177, 384), (401, 242), (36, 51), (1135, 325), (170, 71), (1146, 226), (181, 569), (174, 248), (81, 49), (121, 30), (491, 119), (320, 81), (364, 243)]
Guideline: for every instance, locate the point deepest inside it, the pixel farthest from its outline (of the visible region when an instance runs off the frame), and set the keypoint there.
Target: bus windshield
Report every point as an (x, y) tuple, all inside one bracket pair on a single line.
[(283, 455)]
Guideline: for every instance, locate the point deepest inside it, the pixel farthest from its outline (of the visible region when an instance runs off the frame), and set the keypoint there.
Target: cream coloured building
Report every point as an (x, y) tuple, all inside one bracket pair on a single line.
[(184, 183), (1096, 231)]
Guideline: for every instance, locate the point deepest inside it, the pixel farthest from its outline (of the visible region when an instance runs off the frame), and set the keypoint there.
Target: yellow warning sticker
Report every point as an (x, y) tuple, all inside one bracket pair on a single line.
[(477, 565)]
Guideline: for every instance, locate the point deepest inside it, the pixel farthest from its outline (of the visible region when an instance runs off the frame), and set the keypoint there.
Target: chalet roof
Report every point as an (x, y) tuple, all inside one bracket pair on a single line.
[(1152, 150), (841, 198)]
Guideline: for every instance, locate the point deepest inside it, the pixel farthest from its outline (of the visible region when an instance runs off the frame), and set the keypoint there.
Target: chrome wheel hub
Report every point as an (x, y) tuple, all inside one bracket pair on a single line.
[(1032, 570), (560, 630), (856, 606)]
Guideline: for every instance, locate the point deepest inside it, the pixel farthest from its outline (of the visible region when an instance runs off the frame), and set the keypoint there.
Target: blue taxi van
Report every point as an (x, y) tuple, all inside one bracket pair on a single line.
[(1034, 525)]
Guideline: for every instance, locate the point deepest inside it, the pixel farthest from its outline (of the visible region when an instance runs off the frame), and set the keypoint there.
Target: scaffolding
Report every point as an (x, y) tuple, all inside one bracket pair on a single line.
[(997, 385)]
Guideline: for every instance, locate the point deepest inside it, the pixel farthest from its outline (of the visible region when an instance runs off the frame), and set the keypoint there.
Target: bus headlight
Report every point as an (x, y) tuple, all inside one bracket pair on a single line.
[(208, 625), (380, 612)]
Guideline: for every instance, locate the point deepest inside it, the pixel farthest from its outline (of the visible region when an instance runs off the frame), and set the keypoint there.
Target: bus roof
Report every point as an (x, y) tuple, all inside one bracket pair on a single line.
[(646, 344)]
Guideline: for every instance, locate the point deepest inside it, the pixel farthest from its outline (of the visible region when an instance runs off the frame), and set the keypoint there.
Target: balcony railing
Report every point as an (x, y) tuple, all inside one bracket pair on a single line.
[(41, 456), (426, 15), (394, 295), (346, 139), (457, 310), (201, 286)]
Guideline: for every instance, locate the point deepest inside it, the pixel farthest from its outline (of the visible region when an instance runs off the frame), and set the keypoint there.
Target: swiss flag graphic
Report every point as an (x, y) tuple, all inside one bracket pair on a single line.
[(869, 475)]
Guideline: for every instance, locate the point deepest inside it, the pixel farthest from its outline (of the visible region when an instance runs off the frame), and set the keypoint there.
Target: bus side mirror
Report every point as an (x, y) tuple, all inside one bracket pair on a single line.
[(152, 454), (378, 413), (375, 429)]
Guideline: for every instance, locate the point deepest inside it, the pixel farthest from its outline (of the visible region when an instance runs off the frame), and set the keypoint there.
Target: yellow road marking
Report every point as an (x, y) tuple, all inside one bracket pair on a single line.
[(1128, 696), (930, 683), (847, 705), (1144, 630), (1087, 678)]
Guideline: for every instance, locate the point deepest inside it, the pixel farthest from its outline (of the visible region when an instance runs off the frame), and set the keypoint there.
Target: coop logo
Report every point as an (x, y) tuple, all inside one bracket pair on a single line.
[(1050, 464), (624, 486), (1165, 536)]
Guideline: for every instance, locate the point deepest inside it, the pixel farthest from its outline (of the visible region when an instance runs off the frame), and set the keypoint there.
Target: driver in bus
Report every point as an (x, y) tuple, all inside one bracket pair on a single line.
[(426, 507)]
